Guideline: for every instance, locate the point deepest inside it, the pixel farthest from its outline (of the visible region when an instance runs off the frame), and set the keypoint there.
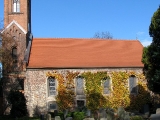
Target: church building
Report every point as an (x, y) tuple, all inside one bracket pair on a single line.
[(49, 65)]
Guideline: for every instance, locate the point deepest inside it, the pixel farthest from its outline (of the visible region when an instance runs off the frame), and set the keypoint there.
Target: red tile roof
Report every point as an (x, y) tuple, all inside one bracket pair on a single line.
[(84, 53)]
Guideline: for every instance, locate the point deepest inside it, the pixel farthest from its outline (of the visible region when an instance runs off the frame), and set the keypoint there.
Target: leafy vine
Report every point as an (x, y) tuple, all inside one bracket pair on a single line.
[(95, 99)]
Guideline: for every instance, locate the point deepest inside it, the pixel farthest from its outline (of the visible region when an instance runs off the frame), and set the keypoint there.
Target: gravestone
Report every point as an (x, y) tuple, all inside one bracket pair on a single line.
[(42, 117), (121, 113), (145, 110), (103, 118), (127, 117), (55, 112), (88, 119), (88, 113), (48, 117), (102, 113), (57, 118), (65, 113), (155, 117), (69, 118), (158, 111), (110, 115)]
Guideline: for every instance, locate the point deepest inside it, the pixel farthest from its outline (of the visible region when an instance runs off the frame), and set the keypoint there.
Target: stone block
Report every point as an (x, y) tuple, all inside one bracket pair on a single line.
[(102, 113), (103, 118), (155, 117), (48, 116), (57, 118), (158, 111), (88, 119), (65, 113), (69, 118), (88, 113)]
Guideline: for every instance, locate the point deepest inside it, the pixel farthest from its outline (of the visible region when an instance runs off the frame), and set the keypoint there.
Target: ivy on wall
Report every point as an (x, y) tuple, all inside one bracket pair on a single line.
[(66, 94), (143, 97), (95, 99), (120, 95), (120, 92), (94, 90)]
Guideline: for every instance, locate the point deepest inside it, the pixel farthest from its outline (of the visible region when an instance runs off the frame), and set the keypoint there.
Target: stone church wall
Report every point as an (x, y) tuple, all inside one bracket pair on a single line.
[(36, 91)]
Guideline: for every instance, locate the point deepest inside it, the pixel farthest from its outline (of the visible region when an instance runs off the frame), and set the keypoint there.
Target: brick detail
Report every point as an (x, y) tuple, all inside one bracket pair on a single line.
[(21, 17)]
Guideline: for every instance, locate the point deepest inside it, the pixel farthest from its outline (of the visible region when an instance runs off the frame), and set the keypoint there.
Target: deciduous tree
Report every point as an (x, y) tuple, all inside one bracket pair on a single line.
[(103, 35), (12, 66)]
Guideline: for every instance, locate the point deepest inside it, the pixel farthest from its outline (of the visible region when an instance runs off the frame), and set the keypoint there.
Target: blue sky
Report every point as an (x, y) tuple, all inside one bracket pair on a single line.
[(124, 19)]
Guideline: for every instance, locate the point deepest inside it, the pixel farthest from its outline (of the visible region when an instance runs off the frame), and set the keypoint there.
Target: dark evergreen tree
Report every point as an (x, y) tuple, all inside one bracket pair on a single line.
[(151, 55), (18, 102)]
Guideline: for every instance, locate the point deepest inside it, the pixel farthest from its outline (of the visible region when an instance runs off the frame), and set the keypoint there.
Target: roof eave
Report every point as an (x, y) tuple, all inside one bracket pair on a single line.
[(99, 67)]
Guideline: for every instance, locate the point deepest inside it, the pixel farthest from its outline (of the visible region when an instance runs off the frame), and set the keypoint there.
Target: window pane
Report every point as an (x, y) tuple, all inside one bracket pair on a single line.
[(52, 106), (106, 86), (79, 86), (18, 7), (52, 92), (132, 84), (52, 86), (79, 83), (14, 52), (14, 7), (80, 103)]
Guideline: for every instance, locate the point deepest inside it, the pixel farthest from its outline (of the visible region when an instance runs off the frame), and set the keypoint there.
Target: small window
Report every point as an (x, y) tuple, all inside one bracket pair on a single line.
[(52, 105), (133, 84), (14, 52), (106, 86), (52, 86), (79, 85), (80, 103), (16, 5)]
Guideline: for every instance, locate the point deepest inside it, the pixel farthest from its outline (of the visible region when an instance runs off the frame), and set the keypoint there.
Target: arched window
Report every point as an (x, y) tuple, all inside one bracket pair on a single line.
[(133, 84), (51, 86), (16, 5), (106, 86), (14, 52), (80, 85)]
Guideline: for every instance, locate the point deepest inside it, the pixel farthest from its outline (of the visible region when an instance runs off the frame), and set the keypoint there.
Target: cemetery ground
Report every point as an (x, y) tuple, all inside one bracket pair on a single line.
[(101, 114)]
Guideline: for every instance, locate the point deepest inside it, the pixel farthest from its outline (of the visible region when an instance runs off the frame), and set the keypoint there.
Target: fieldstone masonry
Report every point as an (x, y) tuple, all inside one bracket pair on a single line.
[(36, 90)]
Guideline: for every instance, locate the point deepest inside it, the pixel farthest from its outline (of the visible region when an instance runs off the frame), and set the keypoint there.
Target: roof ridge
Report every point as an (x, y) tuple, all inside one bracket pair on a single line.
[(87, 39)]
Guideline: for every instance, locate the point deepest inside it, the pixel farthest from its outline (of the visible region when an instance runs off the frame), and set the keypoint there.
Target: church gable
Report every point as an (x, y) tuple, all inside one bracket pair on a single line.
[(12, 25)]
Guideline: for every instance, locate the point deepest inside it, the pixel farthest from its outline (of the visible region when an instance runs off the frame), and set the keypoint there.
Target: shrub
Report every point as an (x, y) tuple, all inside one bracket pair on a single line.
[(78, 115), (61, 114), (136, 118)]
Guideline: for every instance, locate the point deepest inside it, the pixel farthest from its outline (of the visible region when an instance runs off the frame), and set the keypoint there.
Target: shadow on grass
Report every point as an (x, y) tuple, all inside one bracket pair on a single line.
[(7, 117)]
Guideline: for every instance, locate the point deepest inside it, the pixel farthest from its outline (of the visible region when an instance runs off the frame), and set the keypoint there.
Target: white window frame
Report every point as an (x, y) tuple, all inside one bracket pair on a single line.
[(16, 5), (55, 86)]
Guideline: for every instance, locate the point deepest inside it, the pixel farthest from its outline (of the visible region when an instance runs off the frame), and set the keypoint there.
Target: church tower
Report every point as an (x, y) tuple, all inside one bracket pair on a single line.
[(16, 38), (19, 11), (17, 25)]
